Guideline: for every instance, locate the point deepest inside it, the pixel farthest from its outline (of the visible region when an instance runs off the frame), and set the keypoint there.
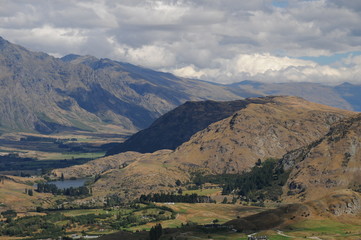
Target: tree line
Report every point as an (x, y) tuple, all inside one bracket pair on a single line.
[(72, 191), (170, 197)]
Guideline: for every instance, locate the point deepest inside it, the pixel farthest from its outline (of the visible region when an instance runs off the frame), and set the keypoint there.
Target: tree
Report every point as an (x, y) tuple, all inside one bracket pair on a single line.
[(225, 200), (178, 182), (30, 192), (9, 214), (156, 232)]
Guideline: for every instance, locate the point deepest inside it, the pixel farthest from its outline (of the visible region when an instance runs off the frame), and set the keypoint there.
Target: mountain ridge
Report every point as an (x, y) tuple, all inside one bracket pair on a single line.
[(41, 93), (178, 125), (267, 128), (45, 94)]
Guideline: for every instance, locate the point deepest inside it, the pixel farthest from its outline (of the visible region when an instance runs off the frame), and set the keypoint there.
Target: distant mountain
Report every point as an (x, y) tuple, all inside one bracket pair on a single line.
[(40, 93), (264, 128), (177, 126), (351, 93), (345, 96), (45, 94)]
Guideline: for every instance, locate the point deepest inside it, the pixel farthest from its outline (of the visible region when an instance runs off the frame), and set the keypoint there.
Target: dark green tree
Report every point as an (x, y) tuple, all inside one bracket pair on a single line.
[(9, 214), (156, 232), (178, 182)]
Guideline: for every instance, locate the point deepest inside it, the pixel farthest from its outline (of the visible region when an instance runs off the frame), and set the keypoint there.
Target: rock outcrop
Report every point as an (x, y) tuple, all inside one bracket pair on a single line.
[(331, 163)]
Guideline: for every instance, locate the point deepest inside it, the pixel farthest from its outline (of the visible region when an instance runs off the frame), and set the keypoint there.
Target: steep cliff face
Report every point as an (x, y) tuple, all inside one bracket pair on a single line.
[(331, 163)]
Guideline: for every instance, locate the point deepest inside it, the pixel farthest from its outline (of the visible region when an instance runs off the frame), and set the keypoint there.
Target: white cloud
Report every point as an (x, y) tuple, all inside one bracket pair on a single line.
[(150, 56), (262, 63), (189, 72), (222, 41)]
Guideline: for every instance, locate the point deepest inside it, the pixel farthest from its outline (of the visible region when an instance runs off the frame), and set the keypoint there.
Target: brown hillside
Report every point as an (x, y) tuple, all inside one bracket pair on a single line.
[(335, 206), (269, 127), (332, 163), (12, 195)]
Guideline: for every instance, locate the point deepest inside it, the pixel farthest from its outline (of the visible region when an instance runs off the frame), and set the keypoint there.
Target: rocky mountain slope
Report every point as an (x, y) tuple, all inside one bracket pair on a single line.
[(329, 164), (177, 126), (266, 128), (46, 94)]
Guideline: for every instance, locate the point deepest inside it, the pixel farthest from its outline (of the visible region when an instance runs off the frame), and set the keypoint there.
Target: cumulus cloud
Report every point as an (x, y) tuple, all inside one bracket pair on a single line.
[(221, 41), (189, 72)]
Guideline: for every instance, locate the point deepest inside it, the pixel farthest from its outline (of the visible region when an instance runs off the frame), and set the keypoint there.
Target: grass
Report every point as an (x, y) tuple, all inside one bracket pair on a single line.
[(325, 229), (12, 195), (81, 125), (204, 192), (201, 213), (79, 212), (61, 156), (228, 236)]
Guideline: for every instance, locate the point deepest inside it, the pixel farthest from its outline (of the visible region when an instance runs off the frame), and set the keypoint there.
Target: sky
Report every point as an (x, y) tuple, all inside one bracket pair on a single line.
[(220, 41)]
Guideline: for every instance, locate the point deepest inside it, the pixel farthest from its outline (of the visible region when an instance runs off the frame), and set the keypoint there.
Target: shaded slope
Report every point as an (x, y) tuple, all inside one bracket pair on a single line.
[(177, 126), (351, 93)]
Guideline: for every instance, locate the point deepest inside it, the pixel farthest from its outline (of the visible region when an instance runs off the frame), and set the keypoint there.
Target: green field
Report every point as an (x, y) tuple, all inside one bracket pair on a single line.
[(326, 229), (202, 213), (203, 192), (62, 156)]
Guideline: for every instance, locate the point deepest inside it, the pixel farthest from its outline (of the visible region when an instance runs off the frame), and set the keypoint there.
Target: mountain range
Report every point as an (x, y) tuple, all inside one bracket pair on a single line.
[(263, 128), (44, 94)]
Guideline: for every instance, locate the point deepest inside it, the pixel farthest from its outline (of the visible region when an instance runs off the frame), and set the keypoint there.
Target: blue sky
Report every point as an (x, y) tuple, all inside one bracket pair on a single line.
[(221, 41), (280, 4), (331, 59)]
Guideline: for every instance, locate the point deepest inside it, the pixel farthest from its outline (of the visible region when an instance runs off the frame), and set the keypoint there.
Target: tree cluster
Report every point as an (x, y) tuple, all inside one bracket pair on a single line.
[(52, 188), (170, 197), (266, 175)]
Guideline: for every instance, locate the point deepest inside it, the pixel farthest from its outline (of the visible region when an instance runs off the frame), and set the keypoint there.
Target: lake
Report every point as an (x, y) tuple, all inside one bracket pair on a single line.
[(69, 183)]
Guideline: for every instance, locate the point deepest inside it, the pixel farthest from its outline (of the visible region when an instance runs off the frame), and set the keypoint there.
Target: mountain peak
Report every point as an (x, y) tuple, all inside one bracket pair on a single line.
[(70, 57), (3, 42)]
